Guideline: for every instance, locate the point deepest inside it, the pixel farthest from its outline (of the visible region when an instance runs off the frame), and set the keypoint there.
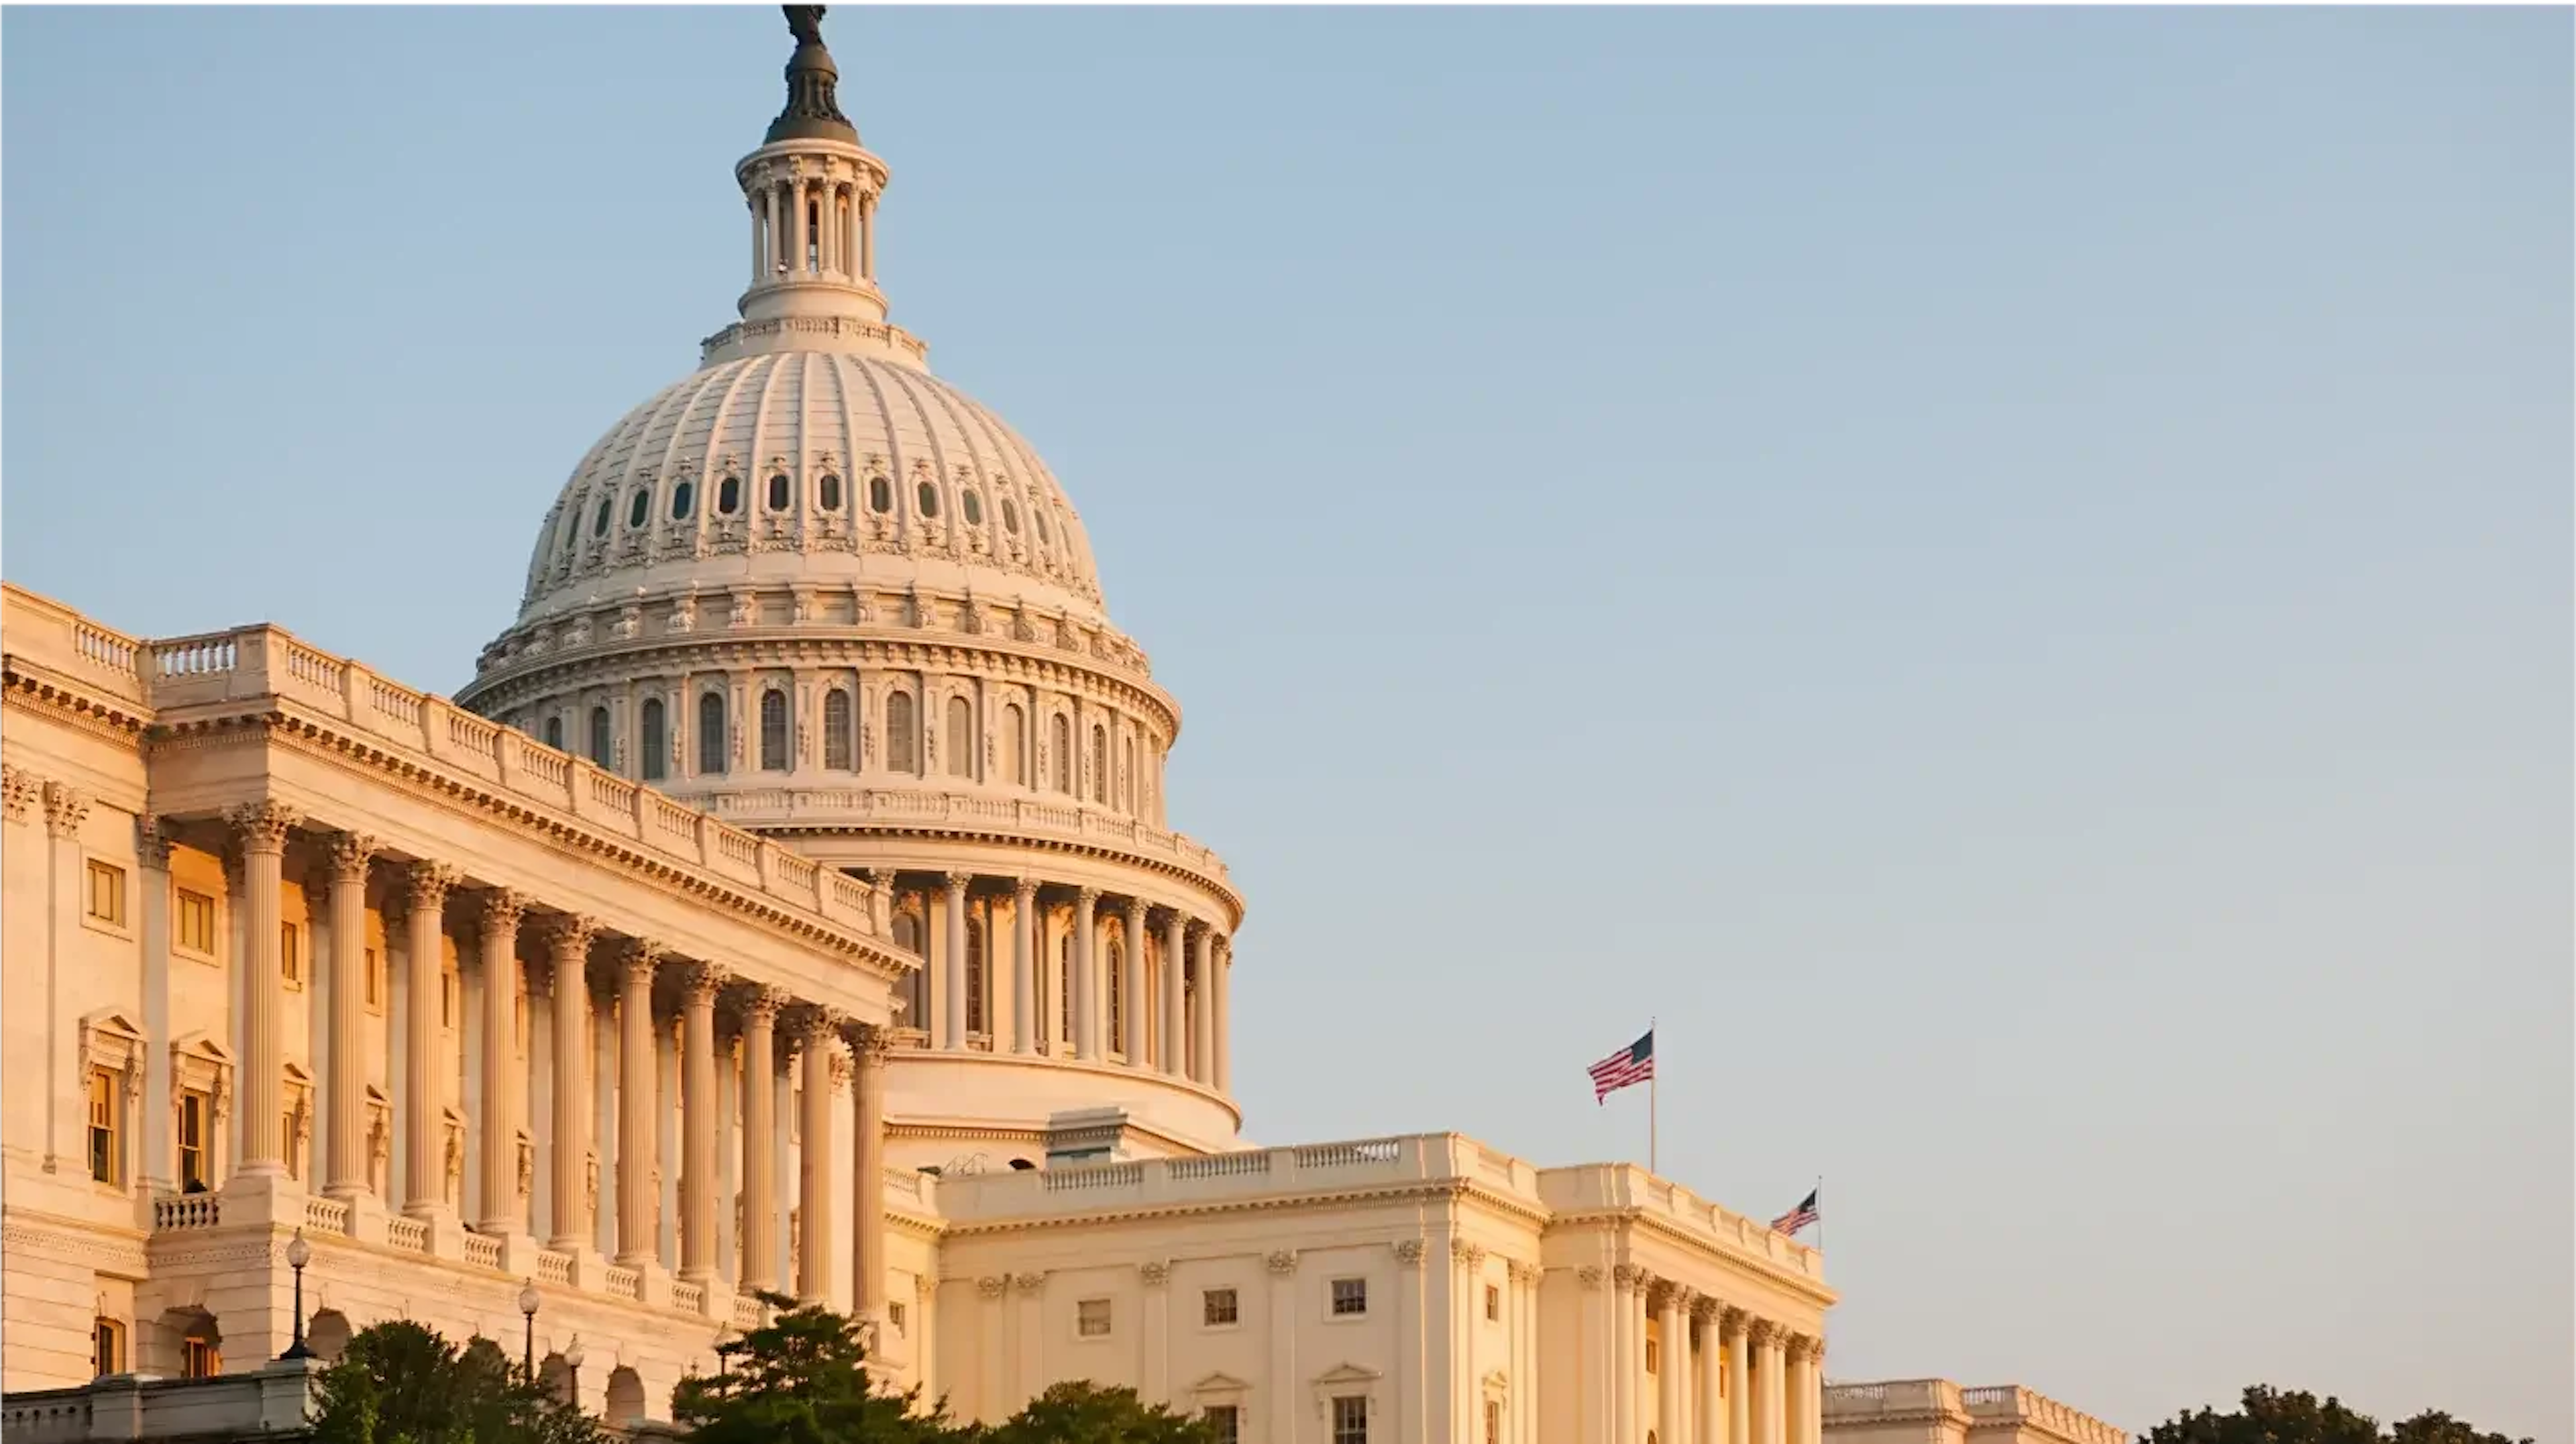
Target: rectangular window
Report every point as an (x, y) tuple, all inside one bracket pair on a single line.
[(375, 979), (451, 1000), (1225, 1421), (894, 1316), (198, 1359), (1350, 1297), (1091, 1318), (1350, 1419), (107, 1347), (1493, 1421), (290, 954), (195, 923), (107, 893), (1654, 1356), (105, 1158), (1218, 1306), (192, 1143), (1493, 1304)]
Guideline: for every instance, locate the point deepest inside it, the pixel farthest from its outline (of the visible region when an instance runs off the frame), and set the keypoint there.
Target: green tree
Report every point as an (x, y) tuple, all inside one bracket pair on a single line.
[(1083, 1413), (801, 1378), (2272, 1416), (402, 1383)]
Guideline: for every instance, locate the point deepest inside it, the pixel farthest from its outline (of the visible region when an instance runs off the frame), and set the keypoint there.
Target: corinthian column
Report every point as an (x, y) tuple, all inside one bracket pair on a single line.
[(760, 1139), (1221, 1069), (699, 983), (1672, 1368), (1131, 988), (1708, 1423), (1086, 986), (498, 1197), (568, 951), (344, 1147), (425, 887), (637, 1192), (1203, 1019), (1739, 1373), (259, 1128), (822, 1063), (1767, 1393), (1171, 1037), (1626, 1285), (1025, 1020), (868, 1046), (952, 1032)]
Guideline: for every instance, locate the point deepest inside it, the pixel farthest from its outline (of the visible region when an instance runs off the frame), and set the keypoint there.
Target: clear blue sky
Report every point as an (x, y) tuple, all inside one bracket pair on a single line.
[(2006, 573)]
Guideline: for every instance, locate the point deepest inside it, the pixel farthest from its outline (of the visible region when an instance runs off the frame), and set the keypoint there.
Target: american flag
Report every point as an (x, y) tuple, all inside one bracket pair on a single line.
[(1632, 1064), (1797, 1218)]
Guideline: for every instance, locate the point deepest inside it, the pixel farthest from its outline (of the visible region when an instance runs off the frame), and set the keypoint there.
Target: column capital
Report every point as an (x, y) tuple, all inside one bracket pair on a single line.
[(700, 981), (637, 959), (1029, 1283), (1627, 1278), (1762, 1332), (958, 881), (152, 841), (1088, 896), (66, 807), (1704, 1307), (19, 790), (1731, 1321), (881, 878), (761, 1003), (1408, 1252), (350, 855), (1589, 1276), (1683, 1298), (1466, 1251), (1024, 888), (868, 1043), (1155, 1272), (500, 909), (1523, 1272), (1806, 1347), (817, 1025), (261, 826), (993, 1286), (568, 935), (1282, 1262), (426, 884)]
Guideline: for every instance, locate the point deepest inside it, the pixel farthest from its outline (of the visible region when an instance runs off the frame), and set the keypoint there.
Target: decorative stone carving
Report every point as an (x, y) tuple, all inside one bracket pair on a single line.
[(578, 634), (970, 617), (1022, 629), (1626, 1277), (701, 981), (1589, 1276), (350, 854), (1282, 1261), (501, 909), (993, 1286), (19, 790), (1761, 1331), (745, 610), (1466, 1252), (637, 960), (1730, 1321), (762, 1003), (630, 621), (260, 826), (925, 613), (1704, 1308), (684, 615), (427, 884), (152, 841), (1408, 1252), (1155, 1273), (568, 936), (1028, 1283)]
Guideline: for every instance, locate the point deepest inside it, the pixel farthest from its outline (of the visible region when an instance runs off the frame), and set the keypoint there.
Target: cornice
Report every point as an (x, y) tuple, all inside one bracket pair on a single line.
[(1438, 1190), (966, 831), (38, 690), (1812, 1289), (41, 1232)]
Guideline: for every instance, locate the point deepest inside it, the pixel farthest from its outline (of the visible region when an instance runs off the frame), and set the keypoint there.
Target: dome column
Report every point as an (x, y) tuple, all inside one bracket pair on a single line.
[(952, 1003), (1221, 1066), (1203, 1017), (1086, 987), (760, 1139), (1171, 1033), (1024, 991), (1131, 988)]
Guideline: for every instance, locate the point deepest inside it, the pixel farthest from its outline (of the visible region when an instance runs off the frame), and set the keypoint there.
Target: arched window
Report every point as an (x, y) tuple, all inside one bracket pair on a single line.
[(836, 730), (781, 491), (729, 496), (603, 745), (711, 734), (554, 733), (1015, 744), (880, 494), (599, 519), (567, 527), (1062, 738), (973, 505), (929, 498), (657, 740), (773, 731), (831, 490), (639, 508), (961, 737), (1099, 763), (975, 975), (681, 498), (1010, 517), (1117, 996), (1037, 518), (899, 733)]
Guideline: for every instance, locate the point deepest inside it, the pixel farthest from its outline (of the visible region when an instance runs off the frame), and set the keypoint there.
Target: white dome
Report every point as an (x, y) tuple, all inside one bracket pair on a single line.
[(820, 466)]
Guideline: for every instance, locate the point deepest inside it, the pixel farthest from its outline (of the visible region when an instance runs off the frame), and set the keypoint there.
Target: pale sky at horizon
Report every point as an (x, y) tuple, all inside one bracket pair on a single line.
[(2005, 573)]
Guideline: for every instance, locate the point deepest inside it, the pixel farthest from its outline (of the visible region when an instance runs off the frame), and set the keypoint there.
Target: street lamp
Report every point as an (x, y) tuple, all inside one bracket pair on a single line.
[(572, 1363), (528, 1302), (298, 1254)]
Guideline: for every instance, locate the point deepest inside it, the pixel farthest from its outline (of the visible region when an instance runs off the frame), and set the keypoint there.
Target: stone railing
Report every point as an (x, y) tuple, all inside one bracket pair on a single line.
[(271, 1401), (1606, 1187), (749, 1312), (326, 1215), (259, 662), (689, 1296), (408, 1234), (970, 1200), (186, 1210), (623, 1282), (2035, 1410), (1909, 1399), (554, 1267), (483, 1250), (930, 805)]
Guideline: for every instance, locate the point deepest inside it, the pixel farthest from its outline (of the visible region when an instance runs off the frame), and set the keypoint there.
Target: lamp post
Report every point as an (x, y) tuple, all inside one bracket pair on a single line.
[(298, 1254), (572, 1364), (528, 1302)]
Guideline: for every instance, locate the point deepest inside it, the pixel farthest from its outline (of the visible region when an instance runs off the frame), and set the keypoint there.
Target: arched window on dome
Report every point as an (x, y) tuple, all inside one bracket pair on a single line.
[(567, 529), (639, 508), (1037, 518), (1099, 764), (900, 733), (830, 487), (773, 731), (603, 740), (657, 740), (836, 730), (1010, 517), (711, 734), (1117, 1038), (599, 519), (975, 990), (972, 504), (554, 733), (1064, 989), (928, 496), (683, 497), (729, 496), (781, 491), (880, 494), (961, 737), (1015, 744), (1062, 738)]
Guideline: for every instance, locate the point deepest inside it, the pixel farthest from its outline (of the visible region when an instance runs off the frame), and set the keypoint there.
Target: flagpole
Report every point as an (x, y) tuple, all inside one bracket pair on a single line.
[(1820, 1213), (1652, 1094)]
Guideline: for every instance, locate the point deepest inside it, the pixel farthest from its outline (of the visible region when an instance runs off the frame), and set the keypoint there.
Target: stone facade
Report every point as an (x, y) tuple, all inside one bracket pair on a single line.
[(1936, 1411)]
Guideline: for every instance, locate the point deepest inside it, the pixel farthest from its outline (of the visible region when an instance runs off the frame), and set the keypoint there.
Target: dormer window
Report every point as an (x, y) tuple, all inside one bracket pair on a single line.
[(781, 491), (638, 509), (973, 506), (682, 496), (929, 497), (599, 521), (729, 496), (1037, 518), (880, 494), (1010, 517), (831, 492)]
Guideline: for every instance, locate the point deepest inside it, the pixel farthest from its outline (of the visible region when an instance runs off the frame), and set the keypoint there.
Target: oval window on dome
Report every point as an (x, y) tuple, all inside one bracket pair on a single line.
[(831, 489), (973, 505), (1010, 517), (729, 496), (638, 509), (780, 490), (929, 499), (880, 494), (1037, 518), (599, 521), (681, 497)]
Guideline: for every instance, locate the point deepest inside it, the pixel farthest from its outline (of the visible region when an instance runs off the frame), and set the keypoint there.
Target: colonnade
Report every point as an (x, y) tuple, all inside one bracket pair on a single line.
[(647, 986), (1720, 1375), (1086, 974), (812, 226)]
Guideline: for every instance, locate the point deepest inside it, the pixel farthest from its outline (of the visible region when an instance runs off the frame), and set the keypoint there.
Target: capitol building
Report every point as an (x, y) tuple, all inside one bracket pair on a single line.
[(789, 904)]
